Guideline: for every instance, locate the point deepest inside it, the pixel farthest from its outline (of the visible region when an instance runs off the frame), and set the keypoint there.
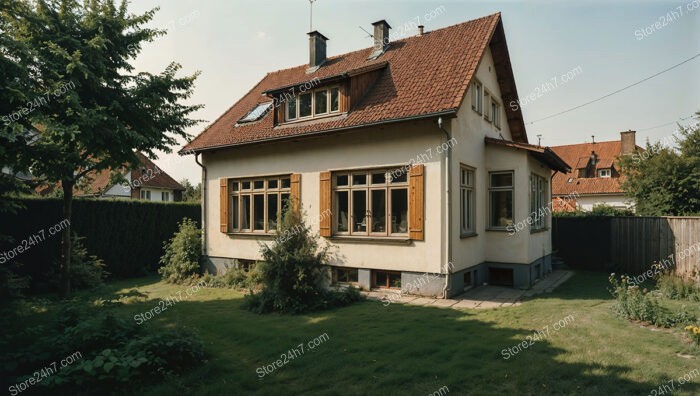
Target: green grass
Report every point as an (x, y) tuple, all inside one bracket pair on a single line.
[(411, 350)]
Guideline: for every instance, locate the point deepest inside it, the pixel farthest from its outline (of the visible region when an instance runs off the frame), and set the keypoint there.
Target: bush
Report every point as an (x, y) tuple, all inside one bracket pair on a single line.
[(694, 333), (600, 210), (182, 253), (294, 272), (677, 288), (12, 285), (235, 278), (636, 304), (86, 271), (108, 352)]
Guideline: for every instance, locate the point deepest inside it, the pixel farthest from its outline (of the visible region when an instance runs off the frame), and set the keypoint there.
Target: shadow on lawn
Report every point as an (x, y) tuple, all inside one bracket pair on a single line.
[(373, 349)]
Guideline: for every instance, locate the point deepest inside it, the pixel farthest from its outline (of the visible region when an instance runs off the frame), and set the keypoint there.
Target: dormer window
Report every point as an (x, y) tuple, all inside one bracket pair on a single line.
[(316, 103), (604, 173), (257, 113)]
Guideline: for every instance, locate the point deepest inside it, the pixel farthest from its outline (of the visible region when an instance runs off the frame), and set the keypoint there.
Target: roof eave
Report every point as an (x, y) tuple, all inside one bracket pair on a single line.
[(450, 113)]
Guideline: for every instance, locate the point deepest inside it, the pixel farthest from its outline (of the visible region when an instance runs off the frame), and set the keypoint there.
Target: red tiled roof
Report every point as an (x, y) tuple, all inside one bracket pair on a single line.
[(425, 75), (98, 182), (563, 205), (579, 154)]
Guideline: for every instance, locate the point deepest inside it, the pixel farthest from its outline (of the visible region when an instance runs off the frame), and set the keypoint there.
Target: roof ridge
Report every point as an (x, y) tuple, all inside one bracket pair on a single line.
[(396, 41)]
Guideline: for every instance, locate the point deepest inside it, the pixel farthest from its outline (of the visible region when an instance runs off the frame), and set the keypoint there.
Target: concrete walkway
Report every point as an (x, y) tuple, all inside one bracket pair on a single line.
[(478, 298)]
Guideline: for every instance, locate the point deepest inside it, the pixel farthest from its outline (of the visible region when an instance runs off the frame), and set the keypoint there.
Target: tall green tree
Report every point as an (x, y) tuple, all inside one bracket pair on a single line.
[(92, 109), (191, 193), (663, 180)]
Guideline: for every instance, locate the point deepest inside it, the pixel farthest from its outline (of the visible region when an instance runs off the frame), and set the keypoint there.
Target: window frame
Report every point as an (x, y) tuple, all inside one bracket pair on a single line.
[(492, 189), (146, 194), (605, 172), (388, 187), (387, 285), (329, 112), (470, 210), (538, 202), (165, 196), (335, 279), (478, 97), (495, 113), (234, 214)]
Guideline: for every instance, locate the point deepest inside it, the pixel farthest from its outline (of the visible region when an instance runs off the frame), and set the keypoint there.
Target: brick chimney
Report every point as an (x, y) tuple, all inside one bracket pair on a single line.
[(628, 142), (317, 49), (381, 38)]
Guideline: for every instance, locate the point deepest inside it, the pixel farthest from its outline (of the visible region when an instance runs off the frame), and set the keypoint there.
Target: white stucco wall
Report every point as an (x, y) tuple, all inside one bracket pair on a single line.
[(470, 129), (586, 202), (378, 147)]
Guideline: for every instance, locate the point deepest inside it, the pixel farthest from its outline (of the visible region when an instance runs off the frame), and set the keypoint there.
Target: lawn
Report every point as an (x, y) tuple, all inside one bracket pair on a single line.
[(372, 349)]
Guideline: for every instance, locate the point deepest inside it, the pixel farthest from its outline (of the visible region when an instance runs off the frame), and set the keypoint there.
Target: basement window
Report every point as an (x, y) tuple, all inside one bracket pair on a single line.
[(257, 113)]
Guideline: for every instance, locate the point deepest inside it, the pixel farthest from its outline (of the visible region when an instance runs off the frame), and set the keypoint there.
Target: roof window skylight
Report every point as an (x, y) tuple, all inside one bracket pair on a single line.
[(257, 113)]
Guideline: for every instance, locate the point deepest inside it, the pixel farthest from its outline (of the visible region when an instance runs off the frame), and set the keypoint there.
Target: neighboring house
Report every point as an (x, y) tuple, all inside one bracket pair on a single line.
[(146, 181), (403, 156), (595, 176)]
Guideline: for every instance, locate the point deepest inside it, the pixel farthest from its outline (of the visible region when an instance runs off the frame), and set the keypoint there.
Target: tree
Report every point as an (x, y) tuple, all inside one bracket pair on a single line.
[(191, 193), (92, 111), (665, 181)]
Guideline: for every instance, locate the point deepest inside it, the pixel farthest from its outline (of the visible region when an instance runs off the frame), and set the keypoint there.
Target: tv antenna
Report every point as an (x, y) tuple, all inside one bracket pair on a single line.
[(311, 15), (368, 33)]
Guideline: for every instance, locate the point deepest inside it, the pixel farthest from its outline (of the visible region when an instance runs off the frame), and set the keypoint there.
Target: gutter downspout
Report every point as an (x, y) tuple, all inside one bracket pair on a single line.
[(448, 211), (204, 203)]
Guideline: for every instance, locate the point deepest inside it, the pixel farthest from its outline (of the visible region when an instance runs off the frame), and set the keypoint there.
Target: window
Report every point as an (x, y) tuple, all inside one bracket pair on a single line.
[(487, 112), (604, 173), (387, 279), (496, 114), (500, 199), (313, 103), (165, 196), (370, 203), (477, 97), (466, 199), (344, 275), (256, 204), (257, 113), (467, 280), (539, 207), (145, 194)]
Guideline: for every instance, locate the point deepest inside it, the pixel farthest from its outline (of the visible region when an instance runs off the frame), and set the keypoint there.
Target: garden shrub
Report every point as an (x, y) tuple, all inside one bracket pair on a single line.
[(182, 253), (235, 278), (694, 333), (294, 272), (675, 287), (86, 271), (638, 304), (12, 284), (112, 352)]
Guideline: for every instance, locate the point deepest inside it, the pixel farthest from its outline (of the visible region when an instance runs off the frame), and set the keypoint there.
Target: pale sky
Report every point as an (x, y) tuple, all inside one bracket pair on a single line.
[(602, 45)]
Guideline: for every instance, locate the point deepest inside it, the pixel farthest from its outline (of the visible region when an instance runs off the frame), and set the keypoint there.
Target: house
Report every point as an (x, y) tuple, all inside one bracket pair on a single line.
[(402, 155), (595, 176), (145, 181)]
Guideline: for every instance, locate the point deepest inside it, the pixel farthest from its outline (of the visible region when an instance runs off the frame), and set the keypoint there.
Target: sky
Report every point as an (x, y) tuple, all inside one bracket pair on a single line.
[(564, 54)]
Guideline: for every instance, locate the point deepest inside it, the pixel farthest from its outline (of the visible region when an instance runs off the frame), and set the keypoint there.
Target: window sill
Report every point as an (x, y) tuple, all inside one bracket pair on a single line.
[(537, 231), (296, 121), (468, 235), (252, 235), (380, 240), (505, 229)]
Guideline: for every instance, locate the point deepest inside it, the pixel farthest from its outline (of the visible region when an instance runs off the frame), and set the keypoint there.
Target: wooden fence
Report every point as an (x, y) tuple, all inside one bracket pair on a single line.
[(628, 244)]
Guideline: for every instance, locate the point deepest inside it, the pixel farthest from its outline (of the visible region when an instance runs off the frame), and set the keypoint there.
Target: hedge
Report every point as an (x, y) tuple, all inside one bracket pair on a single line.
[(127, 234)]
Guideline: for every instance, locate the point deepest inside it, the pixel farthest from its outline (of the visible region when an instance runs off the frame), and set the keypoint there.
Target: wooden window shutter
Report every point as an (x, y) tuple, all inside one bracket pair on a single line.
[(416, 198), (295, 193), (223, 204), (325, 205)]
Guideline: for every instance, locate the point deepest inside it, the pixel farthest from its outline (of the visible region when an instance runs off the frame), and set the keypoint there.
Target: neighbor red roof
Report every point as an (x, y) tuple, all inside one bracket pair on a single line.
[(578, 155), (424, 75), (96, 183)]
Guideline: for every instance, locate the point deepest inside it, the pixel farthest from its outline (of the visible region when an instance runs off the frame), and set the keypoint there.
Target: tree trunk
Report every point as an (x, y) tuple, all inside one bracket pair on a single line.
[(66, 247)]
